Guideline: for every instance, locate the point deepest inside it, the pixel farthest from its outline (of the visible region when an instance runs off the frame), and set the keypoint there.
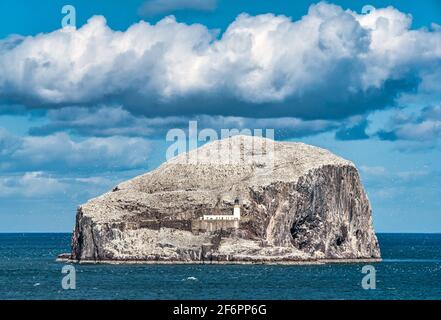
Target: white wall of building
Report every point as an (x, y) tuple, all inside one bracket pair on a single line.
[(234, 216)]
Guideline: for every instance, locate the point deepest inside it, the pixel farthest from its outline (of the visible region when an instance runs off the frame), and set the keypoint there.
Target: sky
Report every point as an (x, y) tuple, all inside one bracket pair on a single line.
[(85, 107)]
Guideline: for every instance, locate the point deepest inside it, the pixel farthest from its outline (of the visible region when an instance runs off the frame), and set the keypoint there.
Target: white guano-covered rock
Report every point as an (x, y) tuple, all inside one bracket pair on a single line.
[(298, 203)]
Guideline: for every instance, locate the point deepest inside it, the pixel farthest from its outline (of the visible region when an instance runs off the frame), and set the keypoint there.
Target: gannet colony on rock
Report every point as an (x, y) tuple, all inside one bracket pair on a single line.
[(243, 199)]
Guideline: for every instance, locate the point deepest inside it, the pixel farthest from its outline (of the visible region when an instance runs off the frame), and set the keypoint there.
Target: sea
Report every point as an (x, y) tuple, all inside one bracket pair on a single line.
[(411, 269)]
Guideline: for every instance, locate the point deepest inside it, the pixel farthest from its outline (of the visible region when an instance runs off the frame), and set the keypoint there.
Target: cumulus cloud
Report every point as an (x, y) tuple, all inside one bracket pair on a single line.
[(422, 127), (60, 153), (111, 121), (40, 185), (154, 7), (30, 184), (330, 64)]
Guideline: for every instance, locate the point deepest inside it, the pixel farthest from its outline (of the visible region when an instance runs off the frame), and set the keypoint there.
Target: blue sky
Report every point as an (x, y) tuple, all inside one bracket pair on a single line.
[(81, 110)]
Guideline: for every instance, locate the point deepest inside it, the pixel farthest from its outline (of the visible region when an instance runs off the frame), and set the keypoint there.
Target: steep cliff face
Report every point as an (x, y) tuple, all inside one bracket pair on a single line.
[(298, 203)]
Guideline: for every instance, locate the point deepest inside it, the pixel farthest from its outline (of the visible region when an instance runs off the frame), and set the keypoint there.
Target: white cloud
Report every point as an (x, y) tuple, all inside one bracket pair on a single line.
[(330, 64), (153, 7), (424, 126), (60, 153), (31, 184), (40, 185)]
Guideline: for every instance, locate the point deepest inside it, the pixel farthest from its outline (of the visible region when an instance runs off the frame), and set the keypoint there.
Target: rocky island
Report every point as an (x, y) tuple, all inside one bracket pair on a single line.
[(242, 199)]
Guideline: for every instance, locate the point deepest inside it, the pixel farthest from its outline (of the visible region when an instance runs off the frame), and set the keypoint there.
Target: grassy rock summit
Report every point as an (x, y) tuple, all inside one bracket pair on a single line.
[(294, 203)]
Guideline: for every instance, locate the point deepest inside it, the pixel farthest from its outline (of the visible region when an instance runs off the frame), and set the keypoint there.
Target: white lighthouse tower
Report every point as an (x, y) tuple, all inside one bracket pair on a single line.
[(236, 210)]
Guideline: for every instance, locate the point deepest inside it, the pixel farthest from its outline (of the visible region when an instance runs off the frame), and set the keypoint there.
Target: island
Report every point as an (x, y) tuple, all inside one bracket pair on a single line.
[(243, 199)]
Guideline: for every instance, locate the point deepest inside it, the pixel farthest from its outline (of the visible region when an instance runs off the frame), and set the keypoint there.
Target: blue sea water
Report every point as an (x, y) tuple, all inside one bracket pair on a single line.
[(411, 270)]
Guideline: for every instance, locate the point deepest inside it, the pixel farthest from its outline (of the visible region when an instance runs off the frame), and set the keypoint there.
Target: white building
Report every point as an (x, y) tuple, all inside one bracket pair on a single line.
[(231, 217)]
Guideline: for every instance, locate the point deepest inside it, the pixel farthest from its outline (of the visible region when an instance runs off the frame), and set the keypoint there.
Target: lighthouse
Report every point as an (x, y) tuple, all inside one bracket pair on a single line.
[(236, 210), (214, 222)]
